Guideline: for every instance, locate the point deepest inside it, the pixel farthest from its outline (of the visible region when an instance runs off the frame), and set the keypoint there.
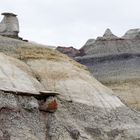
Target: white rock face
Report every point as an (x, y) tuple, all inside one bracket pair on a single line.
[(13, 76)]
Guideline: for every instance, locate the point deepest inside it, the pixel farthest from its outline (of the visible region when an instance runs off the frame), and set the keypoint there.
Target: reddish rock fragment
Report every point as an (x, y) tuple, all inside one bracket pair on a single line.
[(50, 105)]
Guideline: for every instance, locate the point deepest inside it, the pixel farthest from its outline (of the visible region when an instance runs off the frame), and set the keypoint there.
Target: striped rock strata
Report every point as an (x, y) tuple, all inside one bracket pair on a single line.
[(116, 63)]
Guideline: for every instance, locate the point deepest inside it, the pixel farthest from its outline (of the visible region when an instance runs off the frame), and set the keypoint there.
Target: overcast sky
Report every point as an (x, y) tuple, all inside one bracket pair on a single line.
[(72, 22)]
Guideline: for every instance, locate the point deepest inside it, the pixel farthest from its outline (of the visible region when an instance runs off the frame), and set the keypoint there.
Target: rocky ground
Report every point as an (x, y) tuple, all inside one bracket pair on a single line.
[(44, 95)]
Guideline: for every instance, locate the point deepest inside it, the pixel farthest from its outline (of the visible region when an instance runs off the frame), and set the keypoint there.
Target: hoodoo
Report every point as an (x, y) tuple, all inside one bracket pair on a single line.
[(9, 26), (109, 35)]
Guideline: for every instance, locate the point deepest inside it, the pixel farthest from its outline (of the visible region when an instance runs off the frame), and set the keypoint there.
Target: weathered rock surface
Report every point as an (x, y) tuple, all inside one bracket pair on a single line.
[(49, 105), (110, 44), (15, 75), (116, 63), (109, 35), (70, 51), (87, 45), (9, 26), (86, 109), (132, 34)]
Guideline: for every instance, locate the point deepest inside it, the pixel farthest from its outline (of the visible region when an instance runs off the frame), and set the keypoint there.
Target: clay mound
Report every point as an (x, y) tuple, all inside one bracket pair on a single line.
[(87, 110), (88, 45), (132, 34)]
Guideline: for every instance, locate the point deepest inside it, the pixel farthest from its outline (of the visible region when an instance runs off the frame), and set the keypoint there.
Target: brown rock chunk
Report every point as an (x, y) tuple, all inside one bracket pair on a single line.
[(50, 105)]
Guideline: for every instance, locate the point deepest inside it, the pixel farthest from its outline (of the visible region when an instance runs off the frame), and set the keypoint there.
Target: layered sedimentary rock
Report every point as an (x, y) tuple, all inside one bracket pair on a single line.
[(87, 45), (9, 25), (84, 109), (116, 62), (110, 44), (70, 51)]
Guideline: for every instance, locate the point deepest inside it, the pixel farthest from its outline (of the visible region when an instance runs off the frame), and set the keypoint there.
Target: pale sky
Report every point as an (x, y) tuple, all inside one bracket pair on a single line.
[(72, 22)]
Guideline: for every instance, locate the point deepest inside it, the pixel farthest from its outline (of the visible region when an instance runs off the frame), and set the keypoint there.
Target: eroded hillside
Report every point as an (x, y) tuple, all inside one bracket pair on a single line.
[(83, 109), (115, 62)]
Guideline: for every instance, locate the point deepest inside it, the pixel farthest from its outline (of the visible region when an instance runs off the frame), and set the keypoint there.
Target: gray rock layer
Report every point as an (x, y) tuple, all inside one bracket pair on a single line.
[(116, 63), (112, 68)]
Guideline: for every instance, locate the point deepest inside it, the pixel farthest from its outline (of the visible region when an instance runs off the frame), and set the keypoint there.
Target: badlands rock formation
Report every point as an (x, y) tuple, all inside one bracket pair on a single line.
[(9, 26), (110, 44), (132, 34), (109, 35), (70, 51), (116, 63), (86, 110)]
